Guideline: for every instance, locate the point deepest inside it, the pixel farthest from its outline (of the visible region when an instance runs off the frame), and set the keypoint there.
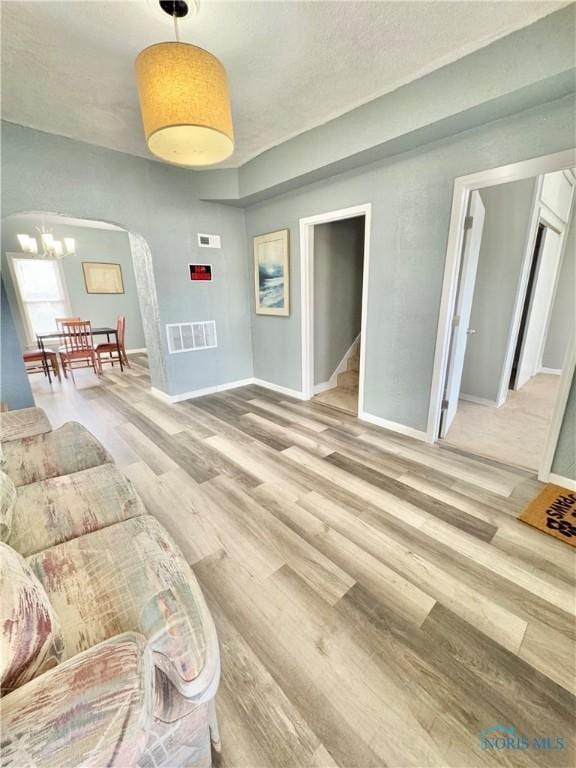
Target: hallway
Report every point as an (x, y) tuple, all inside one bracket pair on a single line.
[(516, 432)]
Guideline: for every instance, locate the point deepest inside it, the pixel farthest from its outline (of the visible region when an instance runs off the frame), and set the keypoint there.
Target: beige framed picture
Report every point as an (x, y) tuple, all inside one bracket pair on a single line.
[(272, 273), (102, 277)]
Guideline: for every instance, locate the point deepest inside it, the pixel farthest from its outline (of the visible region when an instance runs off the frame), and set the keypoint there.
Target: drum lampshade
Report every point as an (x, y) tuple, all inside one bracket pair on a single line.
[(185, 106)]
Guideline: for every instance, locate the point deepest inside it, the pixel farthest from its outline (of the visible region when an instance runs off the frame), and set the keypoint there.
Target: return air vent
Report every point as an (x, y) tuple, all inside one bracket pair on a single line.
[(189, 337)]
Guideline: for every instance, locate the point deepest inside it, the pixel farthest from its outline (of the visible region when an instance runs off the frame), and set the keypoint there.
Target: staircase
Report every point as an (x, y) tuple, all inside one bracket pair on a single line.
[(349, 378), (344, 396)]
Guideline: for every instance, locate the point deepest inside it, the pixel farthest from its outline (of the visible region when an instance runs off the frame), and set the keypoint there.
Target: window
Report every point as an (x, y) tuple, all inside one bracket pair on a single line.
[(42, 294)]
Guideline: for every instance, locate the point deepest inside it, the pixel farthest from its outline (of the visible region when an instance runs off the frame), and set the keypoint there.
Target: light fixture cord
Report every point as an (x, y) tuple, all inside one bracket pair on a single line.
[(176, 30)]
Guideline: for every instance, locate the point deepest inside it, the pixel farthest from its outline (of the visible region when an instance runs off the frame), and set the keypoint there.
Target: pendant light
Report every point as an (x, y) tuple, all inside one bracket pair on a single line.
[(184, 100)]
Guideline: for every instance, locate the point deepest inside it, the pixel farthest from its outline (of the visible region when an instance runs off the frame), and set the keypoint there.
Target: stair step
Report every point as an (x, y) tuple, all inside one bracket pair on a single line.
[(353, 363), (348, 380)]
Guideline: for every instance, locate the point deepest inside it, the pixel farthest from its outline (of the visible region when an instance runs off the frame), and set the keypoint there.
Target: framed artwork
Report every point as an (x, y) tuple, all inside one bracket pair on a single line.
[(272, 273), (102, 277)]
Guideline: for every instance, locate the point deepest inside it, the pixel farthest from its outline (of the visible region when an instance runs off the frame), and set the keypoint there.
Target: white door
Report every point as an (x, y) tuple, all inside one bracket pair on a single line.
[(460, 329), (539, 309)]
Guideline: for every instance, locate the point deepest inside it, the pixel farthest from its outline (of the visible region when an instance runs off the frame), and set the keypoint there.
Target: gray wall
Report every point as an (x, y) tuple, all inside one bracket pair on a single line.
[(563, 316), (411, 199), (42, 172), (14, 385), (338, 258), (564, 463), (91, 245), (504, 238)]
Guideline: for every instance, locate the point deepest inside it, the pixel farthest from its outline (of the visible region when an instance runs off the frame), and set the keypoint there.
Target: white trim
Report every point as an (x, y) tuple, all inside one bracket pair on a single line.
[(520, 297), (324, 386), (463, 186), (544, 216), (278, 388), (222, 388), (136, 351), (199, 392), (550, 371), (568, 370), (394, 426), (340, 368), (564, 482), (481, 400), (307, 292)]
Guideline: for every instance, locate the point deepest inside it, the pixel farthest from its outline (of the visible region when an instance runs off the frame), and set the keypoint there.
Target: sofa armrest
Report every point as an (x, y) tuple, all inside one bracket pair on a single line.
[(95, 709), (24, 422)]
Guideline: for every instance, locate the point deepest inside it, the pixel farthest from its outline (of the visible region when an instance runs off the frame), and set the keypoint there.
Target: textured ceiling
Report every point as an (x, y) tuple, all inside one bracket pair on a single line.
[(68, 66)]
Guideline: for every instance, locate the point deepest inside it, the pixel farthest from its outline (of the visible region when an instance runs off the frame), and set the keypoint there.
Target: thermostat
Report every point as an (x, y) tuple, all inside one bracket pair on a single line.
[(209, 241)]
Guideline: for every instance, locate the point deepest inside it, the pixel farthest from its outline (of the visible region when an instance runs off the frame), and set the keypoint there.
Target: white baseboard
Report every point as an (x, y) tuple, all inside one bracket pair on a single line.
[(324, 386), (552, 371), (199, 392), (479, 400), (277, 388), (565, 482), (141, 351), (222, 388), (393, 426)]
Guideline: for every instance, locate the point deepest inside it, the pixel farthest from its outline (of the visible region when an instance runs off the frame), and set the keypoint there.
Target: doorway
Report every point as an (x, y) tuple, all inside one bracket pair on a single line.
[(502, 396), (43, 290), (527, 301), (335, 252)]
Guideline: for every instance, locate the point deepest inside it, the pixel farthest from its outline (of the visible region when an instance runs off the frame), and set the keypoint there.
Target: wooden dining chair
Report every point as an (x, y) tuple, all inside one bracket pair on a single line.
[(78, 347), (60, 320), (110, 351), (34, 361)]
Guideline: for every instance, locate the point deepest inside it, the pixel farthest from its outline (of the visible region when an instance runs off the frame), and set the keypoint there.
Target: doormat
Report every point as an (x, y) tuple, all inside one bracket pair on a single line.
[(553, 511)]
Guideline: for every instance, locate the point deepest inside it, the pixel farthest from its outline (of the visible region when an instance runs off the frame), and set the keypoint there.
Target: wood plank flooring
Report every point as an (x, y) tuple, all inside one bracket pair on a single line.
[(377, 602)]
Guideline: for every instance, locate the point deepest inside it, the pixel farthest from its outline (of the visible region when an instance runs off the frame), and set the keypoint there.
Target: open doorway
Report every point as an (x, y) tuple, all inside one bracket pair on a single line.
[(334, 249), (93, 277), (512, 322)]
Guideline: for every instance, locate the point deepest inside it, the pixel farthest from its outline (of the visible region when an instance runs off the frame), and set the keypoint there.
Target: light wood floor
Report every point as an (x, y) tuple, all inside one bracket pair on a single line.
[(377, 602)]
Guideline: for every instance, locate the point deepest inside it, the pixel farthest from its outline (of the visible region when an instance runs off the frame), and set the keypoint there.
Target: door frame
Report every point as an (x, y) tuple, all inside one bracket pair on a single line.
[(463, 186), (307, 225), (541, 214)]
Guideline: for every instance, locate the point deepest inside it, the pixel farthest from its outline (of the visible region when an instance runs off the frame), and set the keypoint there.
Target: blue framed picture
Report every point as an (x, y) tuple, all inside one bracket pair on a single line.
[(272, 273)]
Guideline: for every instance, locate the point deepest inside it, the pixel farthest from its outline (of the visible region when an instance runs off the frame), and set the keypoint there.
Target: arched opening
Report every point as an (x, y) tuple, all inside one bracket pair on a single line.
[(100, 270)]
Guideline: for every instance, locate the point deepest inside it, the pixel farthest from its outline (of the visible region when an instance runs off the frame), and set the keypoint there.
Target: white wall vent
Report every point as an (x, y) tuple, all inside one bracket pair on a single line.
[(209, 241), (189, 337)]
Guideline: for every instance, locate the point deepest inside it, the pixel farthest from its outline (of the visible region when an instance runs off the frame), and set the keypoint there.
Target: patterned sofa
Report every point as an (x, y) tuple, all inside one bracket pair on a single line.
[(108, 653)]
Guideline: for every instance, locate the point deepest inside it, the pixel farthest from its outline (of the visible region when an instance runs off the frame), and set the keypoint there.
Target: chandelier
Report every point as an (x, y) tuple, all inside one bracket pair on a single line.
[(50, 248)]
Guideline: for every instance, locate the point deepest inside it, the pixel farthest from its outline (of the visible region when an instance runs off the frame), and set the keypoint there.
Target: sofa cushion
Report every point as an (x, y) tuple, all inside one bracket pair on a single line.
[(7, 501), (30, 635), (68, 449), (24, 422), (61, 508), (131, 577)]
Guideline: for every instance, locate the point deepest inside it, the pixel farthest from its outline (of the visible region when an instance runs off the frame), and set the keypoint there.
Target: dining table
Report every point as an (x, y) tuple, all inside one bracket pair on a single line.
[(56, 335)]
